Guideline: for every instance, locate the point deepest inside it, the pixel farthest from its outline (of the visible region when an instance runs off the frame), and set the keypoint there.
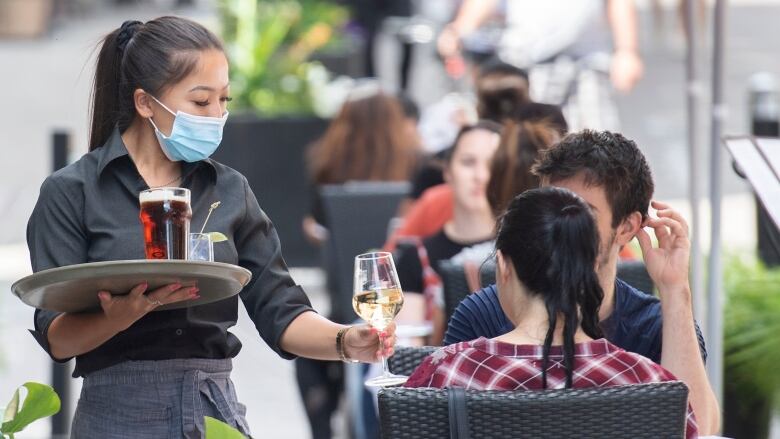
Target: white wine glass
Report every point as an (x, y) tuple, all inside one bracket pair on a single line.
[(377, 299)]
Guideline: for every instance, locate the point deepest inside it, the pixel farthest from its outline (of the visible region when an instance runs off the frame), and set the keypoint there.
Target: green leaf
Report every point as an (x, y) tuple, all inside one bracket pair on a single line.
[(13, 407), (217, 237), (41, 401), (216, 429)]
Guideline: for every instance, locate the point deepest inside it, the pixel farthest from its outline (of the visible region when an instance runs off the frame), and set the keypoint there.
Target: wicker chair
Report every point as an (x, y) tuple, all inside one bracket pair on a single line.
[(407, 358), (635, 274), (655, 410)]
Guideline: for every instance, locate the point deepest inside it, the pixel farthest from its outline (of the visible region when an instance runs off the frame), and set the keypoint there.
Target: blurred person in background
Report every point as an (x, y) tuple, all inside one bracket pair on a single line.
[(467, 172), (373, 138), (502, 96), (547, 253), (576, 52), (610, 173), (509, 171), (370, 16), (159, 106)]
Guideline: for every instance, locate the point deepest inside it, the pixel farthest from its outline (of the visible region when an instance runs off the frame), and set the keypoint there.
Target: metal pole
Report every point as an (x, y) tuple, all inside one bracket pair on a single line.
[(60, 372), (694, 93), (714, 284)]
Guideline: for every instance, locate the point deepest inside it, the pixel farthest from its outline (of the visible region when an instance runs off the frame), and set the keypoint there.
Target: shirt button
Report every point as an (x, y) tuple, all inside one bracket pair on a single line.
[(179, 332)]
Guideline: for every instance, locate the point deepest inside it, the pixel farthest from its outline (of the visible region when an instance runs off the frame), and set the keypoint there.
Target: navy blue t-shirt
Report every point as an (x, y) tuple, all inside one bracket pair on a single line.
[(634, 325)]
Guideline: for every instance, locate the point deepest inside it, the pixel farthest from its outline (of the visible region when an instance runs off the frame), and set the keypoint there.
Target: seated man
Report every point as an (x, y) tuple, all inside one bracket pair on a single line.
[(612, 175), (547, 248)]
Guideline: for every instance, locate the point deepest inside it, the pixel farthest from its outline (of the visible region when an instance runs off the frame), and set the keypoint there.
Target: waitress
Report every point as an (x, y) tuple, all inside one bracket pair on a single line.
[(160, 96)]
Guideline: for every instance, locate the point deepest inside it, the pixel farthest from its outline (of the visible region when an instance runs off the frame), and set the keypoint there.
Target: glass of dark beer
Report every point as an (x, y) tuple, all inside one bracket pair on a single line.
[(165, 215)]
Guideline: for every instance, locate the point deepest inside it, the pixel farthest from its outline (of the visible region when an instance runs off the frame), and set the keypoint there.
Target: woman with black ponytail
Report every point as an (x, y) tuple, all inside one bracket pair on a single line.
[(546, 251), (159, 105)]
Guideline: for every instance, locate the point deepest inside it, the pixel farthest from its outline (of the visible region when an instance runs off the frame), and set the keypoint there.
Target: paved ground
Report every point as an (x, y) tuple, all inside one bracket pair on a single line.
[(47, 88)]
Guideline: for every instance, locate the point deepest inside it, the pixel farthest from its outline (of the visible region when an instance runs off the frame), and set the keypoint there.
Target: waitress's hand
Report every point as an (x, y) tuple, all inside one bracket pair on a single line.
[(123, 311), (361, 343)]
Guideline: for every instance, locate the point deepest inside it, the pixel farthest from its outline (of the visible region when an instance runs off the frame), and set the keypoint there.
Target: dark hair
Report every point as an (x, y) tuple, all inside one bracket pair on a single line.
[(501, 90), (151, 56), (605, 159), (510, 170), (485, 125), (365, 141), (550, 236)]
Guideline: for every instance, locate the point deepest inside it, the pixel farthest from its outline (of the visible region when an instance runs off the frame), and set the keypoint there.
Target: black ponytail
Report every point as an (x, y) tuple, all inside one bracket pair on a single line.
[(150, 56), (551, 238)]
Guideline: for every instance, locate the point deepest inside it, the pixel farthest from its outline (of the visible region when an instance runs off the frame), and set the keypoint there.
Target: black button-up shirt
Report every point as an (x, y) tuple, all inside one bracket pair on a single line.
[(88, 212)]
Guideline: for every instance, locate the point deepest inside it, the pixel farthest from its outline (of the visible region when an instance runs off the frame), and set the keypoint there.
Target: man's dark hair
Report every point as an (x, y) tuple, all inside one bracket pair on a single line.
[(604, 159)]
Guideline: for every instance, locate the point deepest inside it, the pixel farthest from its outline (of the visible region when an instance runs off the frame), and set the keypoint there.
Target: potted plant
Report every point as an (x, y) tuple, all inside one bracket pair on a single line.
[(751, 348), (274, 81)]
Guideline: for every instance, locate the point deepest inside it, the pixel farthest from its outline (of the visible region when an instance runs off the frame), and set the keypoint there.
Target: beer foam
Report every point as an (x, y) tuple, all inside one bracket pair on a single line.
[(162, 195)]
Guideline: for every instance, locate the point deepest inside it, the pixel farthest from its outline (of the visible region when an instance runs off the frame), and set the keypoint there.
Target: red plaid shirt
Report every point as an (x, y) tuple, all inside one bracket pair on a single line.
[(493, 365)]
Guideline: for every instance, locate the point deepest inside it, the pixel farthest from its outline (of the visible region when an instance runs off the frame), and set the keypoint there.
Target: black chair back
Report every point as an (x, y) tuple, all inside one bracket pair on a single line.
[(456, 287), (654, 410), (407, 358), (635, 274), (357, 215)]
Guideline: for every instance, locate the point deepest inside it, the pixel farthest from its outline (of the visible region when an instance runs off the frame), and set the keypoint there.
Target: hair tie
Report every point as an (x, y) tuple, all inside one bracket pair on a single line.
[(126, 33)]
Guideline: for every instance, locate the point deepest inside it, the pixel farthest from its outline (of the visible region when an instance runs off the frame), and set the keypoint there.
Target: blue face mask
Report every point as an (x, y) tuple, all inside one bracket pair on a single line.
[(193, 138)]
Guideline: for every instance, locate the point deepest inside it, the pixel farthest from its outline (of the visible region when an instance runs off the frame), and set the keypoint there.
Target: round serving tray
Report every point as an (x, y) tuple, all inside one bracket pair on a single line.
[(74, 288)]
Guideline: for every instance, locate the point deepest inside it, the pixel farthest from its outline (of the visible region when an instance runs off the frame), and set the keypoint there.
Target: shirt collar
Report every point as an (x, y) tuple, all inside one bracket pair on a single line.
[(115, 148), (586, 349)]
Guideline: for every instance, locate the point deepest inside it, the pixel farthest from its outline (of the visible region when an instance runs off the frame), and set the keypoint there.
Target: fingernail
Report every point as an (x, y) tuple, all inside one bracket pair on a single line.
[(194, 289)]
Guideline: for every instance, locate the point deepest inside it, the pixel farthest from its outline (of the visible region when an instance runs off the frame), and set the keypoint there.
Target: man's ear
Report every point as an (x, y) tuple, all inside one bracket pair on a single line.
[(628, 228), (143, 103)]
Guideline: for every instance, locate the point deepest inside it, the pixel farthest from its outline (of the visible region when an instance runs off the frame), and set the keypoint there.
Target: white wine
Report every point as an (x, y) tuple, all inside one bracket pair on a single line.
[(378, 307)]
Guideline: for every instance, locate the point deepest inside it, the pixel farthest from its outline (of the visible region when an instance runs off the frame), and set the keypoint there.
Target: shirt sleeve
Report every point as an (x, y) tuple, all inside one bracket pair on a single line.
[(409, 267), (272, 299), (56, 237)]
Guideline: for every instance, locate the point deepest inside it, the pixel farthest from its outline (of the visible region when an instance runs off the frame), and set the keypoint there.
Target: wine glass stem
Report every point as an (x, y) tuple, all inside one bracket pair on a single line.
[(385, 370)]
